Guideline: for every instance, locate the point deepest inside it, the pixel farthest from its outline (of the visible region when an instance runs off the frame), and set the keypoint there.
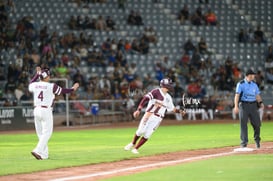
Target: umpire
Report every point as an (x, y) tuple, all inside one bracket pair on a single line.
[(247, 101)]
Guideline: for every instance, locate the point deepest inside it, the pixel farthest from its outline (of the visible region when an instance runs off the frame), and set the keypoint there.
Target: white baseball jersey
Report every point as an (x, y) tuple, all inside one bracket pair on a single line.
[(44, 93), (159, 103)]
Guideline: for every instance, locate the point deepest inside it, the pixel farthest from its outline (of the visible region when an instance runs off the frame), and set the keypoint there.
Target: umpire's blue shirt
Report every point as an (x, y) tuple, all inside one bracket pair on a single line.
[(247, 90)]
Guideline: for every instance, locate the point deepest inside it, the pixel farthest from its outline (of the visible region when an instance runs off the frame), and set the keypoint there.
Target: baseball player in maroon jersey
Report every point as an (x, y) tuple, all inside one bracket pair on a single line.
[(43, 96), (159, 102)]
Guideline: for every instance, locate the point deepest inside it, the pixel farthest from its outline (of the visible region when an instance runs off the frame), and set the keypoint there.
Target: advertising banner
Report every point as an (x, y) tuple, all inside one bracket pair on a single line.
[(15, 118)]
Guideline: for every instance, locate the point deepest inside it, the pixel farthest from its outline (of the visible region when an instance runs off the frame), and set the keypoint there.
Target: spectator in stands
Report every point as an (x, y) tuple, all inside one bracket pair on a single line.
[(72, 23), (269, 54), (61, 70), (121, 4), (110, 23), (259, 35), (106, 47), (196, 19), (269, 76), (27, 96), (110, 68), (259, 79), (189, 47), (242, 36), (80, 22), (131, 20), (114, 45), (184, 14), (91, 24), (149, 35), (136, 83), (138, 19), (236, 72), (193, 89), (203, 47), (135, 46), (44, 34), (104, 84), (134, 18), (128, 108), (10, 6), (144, 46), (166, 64), (101, 24), (210, 18), (183, 72), (19, 91), (112, 57), (196, 59), (127, 46), (147, 80), (250, 35), (206, 1)]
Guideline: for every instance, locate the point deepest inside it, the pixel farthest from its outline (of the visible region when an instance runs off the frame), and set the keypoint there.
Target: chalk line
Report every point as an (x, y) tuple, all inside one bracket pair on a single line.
[(163, 163)]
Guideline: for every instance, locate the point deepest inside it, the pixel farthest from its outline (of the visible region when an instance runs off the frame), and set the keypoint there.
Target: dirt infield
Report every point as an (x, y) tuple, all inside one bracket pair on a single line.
[(126, 167)]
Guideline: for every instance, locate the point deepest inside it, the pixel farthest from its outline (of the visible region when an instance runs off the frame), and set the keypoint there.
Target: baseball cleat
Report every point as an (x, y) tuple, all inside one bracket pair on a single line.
[(128, 147), (135, 151), (38, 157)]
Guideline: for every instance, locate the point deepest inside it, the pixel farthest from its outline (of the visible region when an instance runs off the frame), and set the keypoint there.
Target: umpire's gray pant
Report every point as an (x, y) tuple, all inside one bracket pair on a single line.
[(249, 111)]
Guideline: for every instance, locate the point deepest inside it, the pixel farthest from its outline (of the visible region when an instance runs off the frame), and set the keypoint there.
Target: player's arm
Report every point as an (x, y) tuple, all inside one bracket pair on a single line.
[(36, 76), (58, 90), (142, 103), (180, 111)]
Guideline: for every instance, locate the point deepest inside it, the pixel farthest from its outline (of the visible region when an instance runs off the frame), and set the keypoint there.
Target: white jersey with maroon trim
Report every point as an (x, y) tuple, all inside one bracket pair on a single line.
[(44, 93), (159, 103)]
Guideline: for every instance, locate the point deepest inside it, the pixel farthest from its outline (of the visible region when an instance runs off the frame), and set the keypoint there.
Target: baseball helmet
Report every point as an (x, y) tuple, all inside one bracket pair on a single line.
[(44, 73), (166, 83)]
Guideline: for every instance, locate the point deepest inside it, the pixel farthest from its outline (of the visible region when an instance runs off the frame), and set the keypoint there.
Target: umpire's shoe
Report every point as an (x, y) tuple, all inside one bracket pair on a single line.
[(258, 145)]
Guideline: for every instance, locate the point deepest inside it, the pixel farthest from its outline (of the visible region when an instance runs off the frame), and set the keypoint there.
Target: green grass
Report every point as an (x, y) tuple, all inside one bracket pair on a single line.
[(82, 147), (243, 168)]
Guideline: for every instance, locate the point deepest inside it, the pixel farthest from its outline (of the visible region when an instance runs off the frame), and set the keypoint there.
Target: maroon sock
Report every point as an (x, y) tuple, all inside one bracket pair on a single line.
[(141, 142), (135, 139)]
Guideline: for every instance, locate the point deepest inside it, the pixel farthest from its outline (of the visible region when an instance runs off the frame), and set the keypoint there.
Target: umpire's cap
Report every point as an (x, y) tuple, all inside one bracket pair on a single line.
[(250, 72)]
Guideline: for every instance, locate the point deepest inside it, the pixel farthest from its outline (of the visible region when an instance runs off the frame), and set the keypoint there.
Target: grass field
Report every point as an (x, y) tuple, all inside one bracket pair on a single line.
[(82, 147)]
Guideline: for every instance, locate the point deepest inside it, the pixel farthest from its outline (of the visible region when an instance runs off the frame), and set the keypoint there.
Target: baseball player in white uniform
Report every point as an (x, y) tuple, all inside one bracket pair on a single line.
[(159, 102), (43, 96)]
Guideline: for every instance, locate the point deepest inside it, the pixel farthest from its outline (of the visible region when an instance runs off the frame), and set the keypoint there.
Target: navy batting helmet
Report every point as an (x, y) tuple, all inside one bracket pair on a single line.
[(44, 73), (166, 83)]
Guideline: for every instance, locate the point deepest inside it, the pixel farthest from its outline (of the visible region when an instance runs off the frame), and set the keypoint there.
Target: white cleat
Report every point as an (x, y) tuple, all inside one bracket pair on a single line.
[(135, 151), (128, 147)]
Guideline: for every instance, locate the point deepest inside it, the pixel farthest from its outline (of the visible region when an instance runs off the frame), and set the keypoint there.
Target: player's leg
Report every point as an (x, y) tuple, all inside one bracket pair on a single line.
[(47, 124), (38, 128), (152, 125), (141, 129)]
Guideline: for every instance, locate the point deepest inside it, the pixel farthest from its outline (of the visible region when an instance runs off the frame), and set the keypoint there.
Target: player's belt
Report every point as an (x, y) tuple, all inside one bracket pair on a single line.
[(249, 102), (158, 115), (43, 106)]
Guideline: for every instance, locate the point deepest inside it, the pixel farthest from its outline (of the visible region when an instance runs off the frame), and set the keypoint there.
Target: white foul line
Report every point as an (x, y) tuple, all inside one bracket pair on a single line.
[(143, 166)]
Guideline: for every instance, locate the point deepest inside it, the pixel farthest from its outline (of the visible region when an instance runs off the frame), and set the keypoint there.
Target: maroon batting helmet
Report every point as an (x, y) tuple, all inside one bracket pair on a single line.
[(44, 73), (166, 83)]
